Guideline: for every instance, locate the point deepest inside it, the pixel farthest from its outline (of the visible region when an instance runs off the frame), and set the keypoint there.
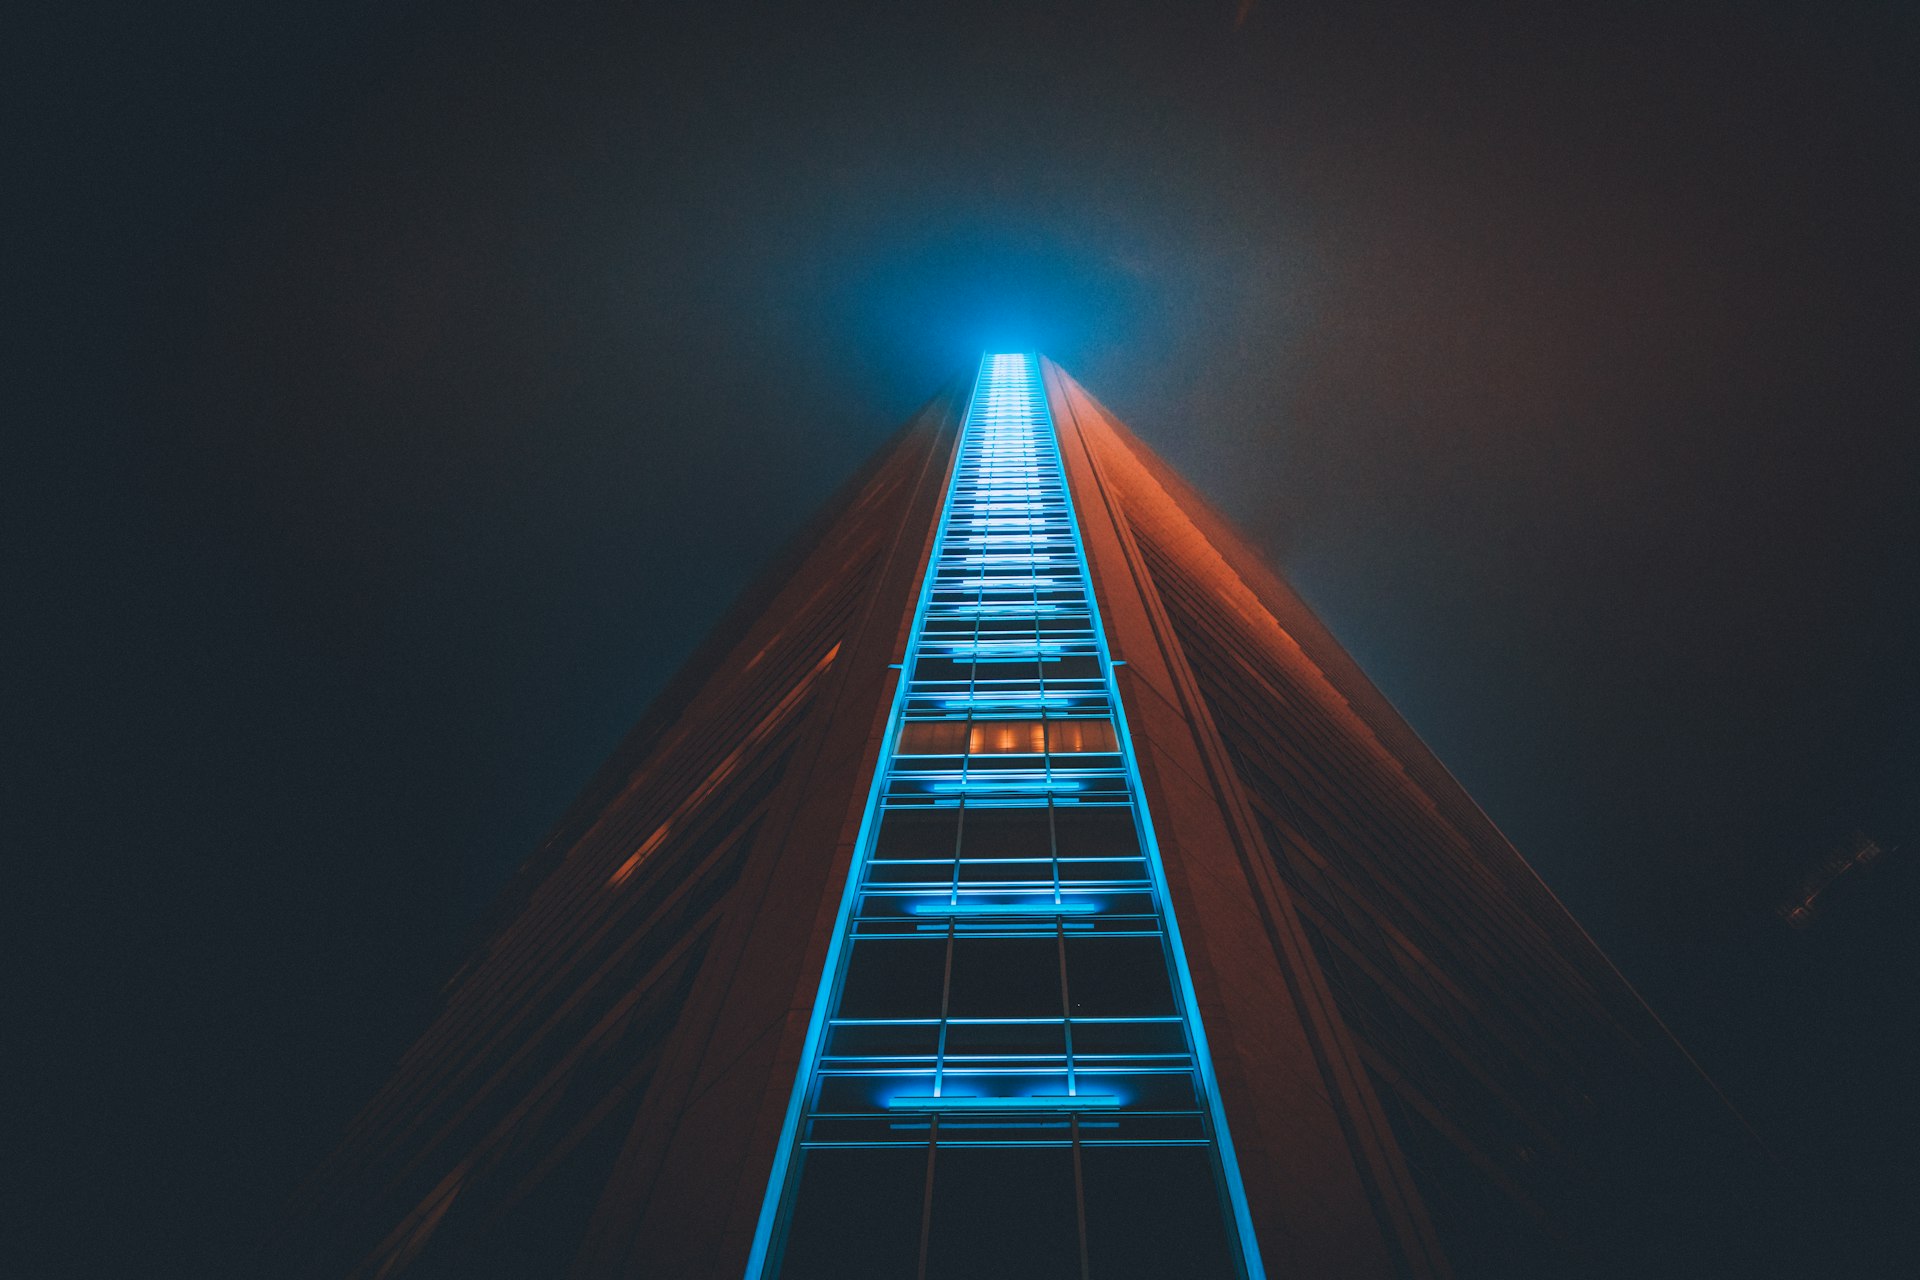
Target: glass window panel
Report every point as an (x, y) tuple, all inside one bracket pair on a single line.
[(1129, 1038), (1077, 667), (857, 1214), (867, 1129), (884, 1040), (1096, 832), (1006, 833), (1118, 977), (894, 978), (942, 669), (1002, 763), (910, 873), (1154, 1212), (933, 737), (1068, 736), (1030, 872), (1109, 902), (1126, 870), (918, 833), (928, 764), (1004, 1214), (1144, 1090), (1005, 978), (1134, 1127), (859, 1091), (981, 1080), (885, 902), (1006, 1039), (1003, 737)]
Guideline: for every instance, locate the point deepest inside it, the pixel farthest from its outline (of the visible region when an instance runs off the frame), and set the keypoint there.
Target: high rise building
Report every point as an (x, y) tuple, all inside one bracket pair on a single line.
[(1023, 883)]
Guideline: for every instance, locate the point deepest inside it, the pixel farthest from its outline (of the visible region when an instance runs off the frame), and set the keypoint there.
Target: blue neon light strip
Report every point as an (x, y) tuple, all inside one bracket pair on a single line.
[(972, 1102), (1006, 625), (1003, 908)]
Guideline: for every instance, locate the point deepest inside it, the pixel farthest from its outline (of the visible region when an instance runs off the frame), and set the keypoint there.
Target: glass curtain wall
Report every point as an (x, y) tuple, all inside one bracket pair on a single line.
[(1004, 1076)]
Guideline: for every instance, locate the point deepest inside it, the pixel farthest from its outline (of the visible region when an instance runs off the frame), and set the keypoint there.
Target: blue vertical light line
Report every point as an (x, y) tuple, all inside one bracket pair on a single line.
[(781, 1174), (1203, 1057)]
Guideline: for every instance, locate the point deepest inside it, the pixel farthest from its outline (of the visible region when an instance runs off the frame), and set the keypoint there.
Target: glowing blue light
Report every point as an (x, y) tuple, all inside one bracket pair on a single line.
[(1004, 908), (972, 1102)]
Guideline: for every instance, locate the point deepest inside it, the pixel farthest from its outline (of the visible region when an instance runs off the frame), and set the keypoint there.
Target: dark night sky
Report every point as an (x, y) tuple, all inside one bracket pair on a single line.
[(409, 386)]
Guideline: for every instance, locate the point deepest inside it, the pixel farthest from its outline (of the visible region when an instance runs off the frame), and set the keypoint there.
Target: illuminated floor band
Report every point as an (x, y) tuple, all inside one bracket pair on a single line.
[(1004, 1075)]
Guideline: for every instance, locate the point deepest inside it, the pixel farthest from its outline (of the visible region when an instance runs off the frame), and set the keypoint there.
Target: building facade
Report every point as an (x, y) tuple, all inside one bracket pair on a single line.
[(1022, 883)]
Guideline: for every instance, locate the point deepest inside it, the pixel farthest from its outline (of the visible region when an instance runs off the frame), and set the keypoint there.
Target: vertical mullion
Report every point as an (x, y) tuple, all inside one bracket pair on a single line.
[(926, 1196)]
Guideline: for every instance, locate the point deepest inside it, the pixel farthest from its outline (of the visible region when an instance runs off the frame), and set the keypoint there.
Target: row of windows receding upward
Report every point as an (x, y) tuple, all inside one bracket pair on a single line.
[(1001, 1079), (1004, 737)]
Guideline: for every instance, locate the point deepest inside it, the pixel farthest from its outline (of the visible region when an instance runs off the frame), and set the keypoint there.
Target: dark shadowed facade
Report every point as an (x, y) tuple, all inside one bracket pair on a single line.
[(1022, 882)]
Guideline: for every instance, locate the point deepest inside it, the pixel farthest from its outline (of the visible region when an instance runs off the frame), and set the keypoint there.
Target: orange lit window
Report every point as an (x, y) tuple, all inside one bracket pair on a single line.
[(933, 738), (1081, 735), (1007, 737)]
